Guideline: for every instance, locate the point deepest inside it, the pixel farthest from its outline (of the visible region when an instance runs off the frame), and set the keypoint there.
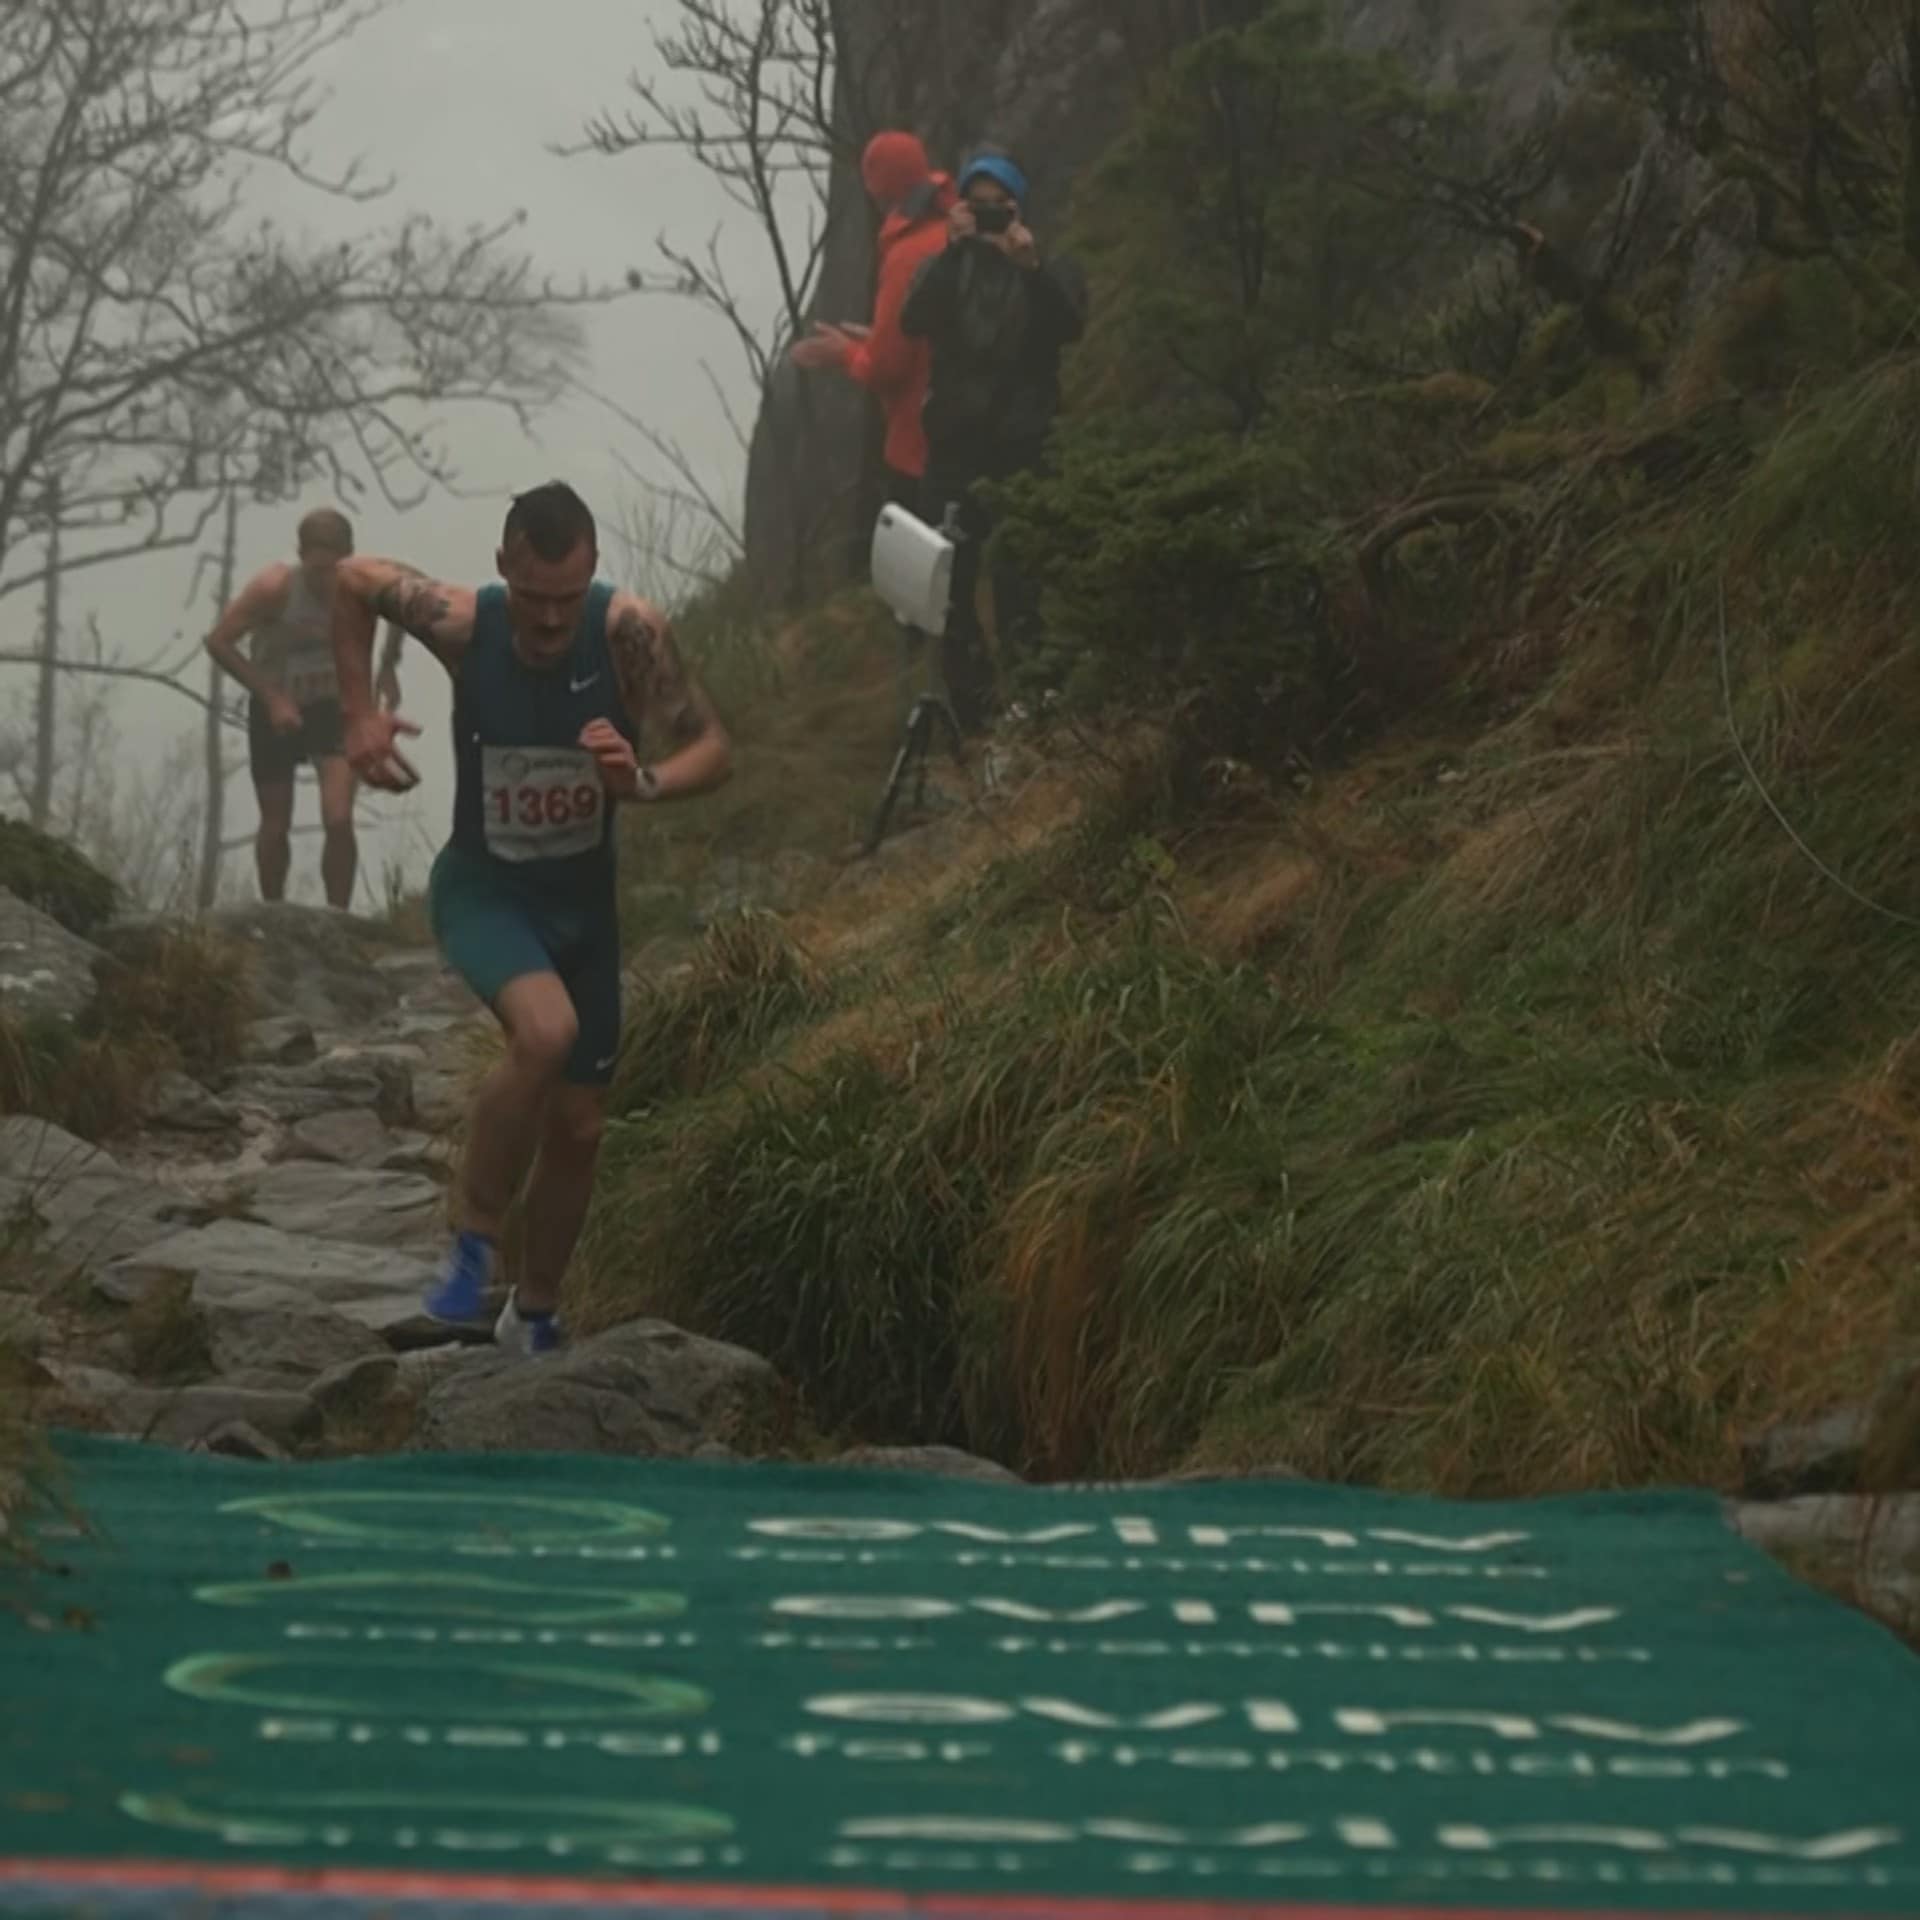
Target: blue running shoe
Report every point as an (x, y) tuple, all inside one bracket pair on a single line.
[(527, 1335), (459, 1297)]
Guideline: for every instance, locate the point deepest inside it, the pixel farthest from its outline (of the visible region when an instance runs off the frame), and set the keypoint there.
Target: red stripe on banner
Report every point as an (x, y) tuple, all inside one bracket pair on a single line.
[(635, 1897)]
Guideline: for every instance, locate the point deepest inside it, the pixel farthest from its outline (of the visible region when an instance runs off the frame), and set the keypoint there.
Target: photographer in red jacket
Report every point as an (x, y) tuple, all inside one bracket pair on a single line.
[(915, 202)]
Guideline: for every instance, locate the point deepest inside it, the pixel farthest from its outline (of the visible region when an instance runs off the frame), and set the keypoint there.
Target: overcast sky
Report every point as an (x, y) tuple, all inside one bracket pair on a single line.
[(459, 101)]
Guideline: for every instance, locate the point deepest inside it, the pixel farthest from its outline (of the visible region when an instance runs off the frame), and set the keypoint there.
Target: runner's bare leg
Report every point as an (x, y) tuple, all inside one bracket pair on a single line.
[(504, 1123), (340, 860), (560, 1191), (273, 844)]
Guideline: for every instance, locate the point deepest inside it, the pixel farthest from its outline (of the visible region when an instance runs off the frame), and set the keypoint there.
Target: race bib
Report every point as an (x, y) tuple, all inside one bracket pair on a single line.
[(310, 678), (541, 803)]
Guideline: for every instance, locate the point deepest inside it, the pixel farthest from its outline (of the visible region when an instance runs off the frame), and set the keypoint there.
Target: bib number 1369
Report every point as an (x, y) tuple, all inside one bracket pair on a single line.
[(541, 804), (536, 807)]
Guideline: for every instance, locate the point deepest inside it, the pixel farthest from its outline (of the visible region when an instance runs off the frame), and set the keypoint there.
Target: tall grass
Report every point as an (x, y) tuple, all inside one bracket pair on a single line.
[(168, 997), (1543, 1127)]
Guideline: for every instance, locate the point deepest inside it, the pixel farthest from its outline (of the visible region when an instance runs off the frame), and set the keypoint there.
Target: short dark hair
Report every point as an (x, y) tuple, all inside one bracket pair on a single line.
[(552, 520), (327, 529)]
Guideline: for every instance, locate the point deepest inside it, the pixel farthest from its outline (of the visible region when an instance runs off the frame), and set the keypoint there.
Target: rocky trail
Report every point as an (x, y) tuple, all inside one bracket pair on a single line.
[(242, 1274)]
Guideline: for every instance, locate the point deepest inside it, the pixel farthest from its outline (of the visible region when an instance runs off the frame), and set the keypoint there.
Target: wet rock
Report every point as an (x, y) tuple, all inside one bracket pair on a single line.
[(176, 1104), (96, 1401), (1824, 1456), (421, 1153), (308, 1199), (433, 1362), (83, 1209), (228, 1263), (1863, 1545), (352, 1137), (357, 1387), (240, 1440), (440, 1097), (283, 1041), (278, 1334), (313, 964), (648, 1389), (334, 1083), (949, 1462), (46, 973)]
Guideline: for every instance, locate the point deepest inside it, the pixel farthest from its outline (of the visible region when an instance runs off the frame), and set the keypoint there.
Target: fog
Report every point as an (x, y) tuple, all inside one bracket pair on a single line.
[(459, 102)]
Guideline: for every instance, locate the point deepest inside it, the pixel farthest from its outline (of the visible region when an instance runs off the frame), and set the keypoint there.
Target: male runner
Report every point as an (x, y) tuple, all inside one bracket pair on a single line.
[(293, 709), (554, 677)]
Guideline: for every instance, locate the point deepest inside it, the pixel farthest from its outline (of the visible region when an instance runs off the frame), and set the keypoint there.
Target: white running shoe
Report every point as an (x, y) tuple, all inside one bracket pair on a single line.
[(527, 1336)]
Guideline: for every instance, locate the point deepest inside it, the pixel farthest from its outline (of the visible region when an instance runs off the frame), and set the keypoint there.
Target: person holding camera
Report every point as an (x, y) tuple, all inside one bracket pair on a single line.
[(997, 315)]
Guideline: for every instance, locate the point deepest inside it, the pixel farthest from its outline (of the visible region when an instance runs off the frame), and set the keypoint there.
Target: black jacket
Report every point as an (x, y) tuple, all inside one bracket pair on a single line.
[(997, 331)]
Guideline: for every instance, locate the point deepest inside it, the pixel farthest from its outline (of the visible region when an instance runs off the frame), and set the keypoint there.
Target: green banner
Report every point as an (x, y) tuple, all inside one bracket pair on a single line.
[(1264, 1693)]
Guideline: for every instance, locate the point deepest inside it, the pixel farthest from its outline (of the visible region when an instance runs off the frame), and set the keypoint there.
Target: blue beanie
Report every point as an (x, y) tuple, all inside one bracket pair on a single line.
[(996, 166)]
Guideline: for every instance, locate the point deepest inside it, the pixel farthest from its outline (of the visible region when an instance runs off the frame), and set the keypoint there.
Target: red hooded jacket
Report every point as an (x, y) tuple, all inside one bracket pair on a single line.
[(889, 365)]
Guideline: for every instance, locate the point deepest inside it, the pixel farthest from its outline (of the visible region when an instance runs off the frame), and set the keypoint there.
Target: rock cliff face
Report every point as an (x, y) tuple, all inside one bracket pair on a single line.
[(1055, 82)]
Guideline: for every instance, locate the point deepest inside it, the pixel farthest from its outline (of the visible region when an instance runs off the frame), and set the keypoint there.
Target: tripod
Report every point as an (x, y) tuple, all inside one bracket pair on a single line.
[(929, 715)]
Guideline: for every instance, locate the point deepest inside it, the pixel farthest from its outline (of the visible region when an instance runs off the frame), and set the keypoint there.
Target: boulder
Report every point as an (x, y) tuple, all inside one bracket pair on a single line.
[(311, 1200), (949, 1462), (283, 1041), (648, 1389), (1824, 1456), (46, 973), (334, 1083), (440, 1097), (236, 1263), (1865, 1546), (351, 1137), (315, 965), (173, 1103), (100, 1402), (273, 1334), (240, 1440), (356, 1386), (88, 1209)]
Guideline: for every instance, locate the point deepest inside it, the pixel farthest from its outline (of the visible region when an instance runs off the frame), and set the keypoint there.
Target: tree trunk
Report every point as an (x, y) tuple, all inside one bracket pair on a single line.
[(47, 716), (214, 818)]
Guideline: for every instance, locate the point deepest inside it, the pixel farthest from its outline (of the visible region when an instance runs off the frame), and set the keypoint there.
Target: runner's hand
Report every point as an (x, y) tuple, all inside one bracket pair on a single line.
[(825, 347), (619, 769), (374, 754), (283, 714)]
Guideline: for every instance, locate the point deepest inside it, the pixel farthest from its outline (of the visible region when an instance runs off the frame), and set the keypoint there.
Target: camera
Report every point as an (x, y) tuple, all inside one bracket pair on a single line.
[(996, 219)]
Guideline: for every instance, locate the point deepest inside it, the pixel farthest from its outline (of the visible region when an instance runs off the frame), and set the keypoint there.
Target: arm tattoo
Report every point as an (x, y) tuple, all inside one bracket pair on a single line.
[(415, 603), (653, 680)]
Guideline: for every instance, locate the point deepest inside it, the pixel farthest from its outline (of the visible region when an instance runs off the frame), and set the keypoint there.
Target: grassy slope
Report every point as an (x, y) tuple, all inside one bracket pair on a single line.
[(1514, 1108)]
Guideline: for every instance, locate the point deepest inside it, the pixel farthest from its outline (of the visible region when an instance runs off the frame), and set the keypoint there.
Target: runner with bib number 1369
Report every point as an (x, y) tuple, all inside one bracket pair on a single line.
[(555, 678)]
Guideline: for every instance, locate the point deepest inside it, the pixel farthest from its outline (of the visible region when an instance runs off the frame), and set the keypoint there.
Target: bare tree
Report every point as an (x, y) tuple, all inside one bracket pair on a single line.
[(759, 94), (157, 343)]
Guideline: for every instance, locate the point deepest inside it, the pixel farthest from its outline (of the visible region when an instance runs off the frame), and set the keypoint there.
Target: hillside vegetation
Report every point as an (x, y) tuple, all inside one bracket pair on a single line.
[(1442, 1007)]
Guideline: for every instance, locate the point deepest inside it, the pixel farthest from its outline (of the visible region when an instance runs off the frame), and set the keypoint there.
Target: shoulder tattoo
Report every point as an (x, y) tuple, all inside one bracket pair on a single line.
[(653, 679), (414, 603)]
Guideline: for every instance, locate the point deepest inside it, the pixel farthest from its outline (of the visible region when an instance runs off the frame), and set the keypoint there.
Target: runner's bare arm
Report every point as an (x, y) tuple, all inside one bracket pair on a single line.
[(440, 617), (260, 599), (659, 692)]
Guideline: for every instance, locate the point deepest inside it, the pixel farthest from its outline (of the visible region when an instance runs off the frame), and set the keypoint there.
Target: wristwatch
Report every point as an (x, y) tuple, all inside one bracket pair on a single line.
[(646, 785)]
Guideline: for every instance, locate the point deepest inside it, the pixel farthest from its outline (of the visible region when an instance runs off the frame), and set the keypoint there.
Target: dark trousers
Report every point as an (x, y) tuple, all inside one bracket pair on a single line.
[(952, 487)]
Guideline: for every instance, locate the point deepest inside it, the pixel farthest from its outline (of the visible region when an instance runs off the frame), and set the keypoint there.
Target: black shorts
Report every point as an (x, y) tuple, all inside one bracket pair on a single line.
[(275, 757)]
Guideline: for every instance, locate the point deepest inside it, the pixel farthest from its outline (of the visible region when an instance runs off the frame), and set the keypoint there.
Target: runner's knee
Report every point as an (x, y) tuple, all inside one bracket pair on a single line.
[(542, 1038)]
